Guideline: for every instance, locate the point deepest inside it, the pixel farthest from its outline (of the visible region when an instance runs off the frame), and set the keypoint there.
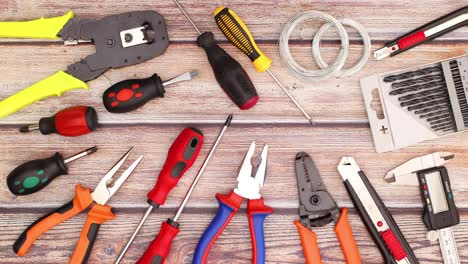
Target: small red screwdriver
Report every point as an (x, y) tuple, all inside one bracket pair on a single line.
[(70, 122), (180, 157)]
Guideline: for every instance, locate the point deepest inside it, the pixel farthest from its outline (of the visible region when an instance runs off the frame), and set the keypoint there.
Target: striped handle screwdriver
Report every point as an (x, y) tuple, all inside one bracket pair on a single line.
[(237, 32)]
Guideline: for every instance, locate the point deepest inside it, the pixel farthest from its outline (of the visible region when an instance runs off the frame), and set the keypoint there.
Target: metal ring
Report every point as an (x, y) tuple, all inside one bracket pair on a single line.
[(365, 51)]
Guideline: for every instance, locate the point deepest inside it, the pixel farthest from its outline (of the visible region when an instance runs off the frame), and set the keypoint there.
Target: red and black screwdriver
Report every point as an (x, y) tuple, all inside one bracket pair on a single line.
[(229, 74), (159, 248), (129, 95), (70, 122), (180, 157)]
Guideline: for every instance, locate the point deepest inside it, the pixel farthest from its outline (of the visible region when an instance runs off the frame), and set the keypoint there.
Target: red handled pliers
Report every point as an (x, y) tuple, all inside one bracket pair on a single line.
[(249, 188)]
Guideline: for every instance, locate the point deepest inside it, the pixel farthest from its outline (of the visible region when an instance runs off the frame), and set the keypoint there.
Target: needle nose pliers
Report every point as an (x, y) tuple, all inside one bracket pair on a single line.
[(120, 40), (84, 199), (249, 188), (317, 208)]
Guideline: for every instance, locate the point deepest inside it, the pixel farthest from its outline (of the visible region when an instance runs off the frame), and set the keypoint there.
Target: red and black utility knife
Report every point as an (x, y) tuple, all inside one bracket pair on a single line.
[(429, 31)]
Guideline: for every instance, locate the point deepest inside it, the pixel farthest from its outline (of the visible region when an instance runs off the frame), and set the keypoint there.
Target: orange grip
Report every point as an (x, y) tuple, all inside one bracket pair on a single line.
[(80, 202), (309, 244), (346, 238), (96, 216)]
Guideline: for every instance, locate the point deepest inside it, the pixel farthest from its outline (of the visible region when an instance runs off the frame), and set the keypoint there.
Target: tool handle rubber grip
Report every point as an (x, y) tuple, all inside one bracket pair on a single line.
[(42, 28), (228, 206), (96, 216), (239, 34), (229, 74), (309, 244), (160, 246), (180, 157), (70, 122), (129, 95), (345, 236), (80, 202), (418, 36), (257, 212), (34, 175), (56, 84)]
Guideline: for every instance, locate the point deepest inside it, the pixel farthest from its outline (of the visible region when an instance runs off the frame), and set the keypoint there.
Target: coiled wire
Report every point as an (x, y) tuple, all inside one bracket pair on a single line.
[(326, 71)]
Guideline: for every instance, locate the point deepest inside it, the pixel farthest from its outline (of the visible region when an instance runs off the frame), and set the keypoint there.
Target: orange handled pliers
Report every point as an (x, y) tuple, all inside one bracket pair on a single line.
[(84, 198), (317, 208)]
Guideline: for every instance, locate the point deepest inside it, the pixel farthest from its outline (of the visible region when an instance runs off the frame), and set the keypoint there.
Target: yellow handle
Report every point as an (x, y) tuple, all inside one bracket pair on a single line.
[(56, 84), (237, 32), (46, 28)]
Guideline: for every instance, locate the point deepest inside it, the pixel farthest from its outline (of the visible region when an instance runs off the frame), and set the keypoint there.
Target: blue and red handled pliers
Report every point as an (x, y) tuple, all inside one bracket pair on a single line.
[(248, 187)]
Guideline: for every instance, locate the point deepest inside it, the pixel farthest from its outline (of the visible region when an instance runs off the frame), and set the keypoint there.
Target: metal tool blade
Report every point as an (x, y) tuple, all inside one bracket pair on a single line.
[(183, 77), (307, 173)]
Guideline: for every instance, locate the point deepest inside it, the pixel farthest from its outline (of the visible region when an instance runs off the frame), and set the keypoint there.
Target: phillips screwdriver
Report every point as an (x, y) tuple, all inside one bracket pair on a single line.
[(129, 95), (160, 246), (237, 32), (180, 157), (229, 74), (34, 175), (70, 122)]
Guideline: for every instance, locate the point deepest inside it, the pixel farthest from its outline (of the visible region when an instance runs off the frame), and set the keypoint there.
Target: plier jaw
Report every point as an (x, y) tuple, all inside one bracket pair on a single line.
[(249, 183), (108, 186)]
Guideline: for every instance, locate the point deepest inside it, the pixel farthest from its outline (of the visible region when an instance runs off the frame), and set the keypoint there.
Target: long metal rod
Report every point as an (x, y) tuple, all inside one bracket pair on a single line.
[(202, 169), (291, 97), (130, 241), (188, 17)]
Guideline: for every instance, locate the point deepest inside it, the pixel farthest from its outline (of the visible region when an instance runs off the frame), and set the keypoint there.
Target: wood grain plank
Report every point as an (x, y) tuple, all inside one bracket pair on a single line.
[(233, 246), (325, 144), (385, 20), (201, 100)]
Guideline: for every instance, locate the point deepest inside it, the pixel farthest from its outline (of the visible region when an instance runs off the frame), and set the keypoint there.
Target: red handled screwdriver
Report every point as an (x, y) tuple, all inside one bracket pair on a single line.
[(159, 248), (229, 74), (70, 122), (180, 157), (129, 95)]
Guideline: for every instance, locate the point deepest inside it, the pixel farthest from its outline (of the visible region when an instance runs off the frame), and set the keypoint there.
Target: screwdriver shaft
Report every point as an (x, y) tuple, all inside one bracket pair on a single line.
[(202, 168), (188, 17), (29, 128), (80, 155), (291, 97), (130, 241)]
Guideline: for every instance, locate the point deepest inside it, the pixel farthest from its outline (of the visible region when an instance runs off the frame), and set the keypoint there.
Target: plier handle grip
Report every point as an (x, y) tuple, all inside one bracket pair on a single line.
[(249, 188)]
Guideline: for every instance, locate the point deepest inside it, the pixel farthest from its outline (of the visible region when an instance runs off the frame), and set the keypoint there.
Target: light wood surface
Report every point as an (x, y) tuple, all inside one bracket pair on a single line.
[(335, 104)]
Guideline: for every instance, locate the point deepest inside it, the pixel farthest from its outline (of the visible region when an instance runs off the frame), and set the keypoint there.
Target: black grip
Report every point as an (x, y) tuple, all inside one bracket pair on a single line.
[(92, 235), (229, 74), (429, 25), (91, 119), (384, 250), (34, 175), (47, 125), (129, 95)]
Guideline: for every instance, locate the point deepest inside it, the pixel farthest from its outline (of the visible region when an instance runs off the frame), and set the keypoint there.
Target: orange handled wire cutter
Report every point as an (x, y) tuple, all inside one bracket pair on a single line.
[(317, 208), (84, 198)]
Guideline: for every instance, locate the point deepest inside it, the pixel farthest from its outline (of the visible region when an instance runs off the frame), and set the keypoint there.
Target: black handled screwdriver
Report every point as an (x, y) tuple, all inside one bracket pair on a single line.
[(34, 175), (229, 74), (129, 95)]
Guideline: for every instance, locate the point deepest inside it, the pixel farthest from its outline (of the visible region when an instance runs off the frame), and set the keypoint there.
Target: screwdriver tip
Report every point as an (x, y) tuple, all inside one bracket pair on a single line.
[(193, 74), (228, 120), (92, 150), (24, 129)]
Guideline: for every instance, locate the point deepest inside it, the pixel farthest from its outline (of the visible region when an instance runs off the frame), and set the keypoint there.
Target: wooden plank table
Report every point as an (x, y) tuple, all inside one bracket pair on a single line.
[(335, 104)]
